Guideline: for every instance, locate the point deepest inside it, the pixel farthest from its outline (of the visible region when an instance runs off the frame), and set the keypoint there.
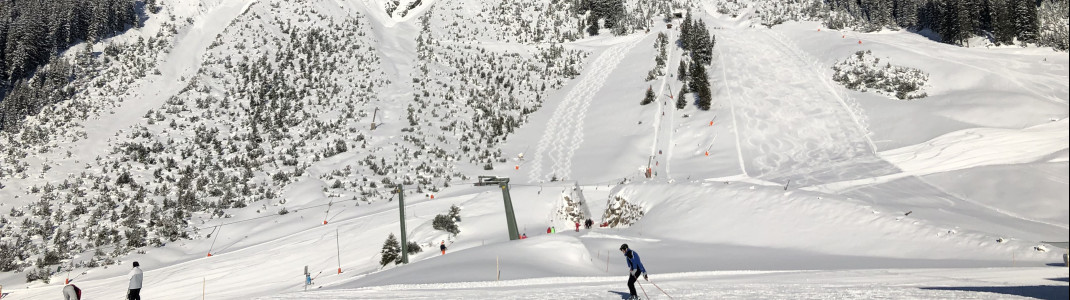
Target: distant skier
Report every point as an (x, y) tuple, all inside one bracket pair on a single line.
[(136, 276), (442, 246), (589, 223), (553, 229), (71, 292), (524, 236), (634, 268), (548, 230), (577, 226)]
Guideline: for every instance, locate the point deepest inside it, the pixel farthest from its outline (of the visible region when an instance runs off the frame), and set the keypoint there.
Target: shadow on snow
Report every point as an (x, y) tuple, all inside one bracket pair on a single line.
[(1039, 291)]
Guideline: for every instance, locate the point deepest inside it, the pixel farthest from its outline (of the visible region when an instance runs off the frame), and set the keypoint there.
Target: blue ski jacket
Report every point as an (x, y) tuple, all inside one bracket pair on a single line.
[(633, 261)]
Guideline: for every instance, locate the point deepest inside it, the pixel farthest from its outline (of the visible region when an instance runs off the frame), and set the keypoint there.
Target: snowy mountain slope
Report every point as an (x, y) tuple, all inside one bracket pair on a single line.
[(233, 272), (259, 81), (824, 131), (553, 152), (776, 117), (181, 63), (967, 84)]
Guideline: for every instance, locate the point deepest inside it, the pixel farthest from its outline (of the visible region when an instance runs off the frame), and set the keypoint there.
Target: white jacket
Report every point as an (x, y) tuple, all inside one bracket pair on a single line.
[(69, 293), (135, 278)]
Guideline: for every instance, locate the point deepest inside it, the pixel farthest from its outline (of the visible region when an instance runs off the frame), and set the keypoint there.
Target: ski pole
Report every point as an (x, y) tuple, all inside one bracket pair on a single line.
[(642, 288), (659, 288)]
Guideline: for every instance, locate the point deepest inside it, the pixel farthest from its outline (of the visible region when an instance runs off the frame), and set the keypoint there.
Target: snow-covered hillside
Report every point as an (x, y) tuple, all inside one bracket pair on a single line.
[(227, 145)]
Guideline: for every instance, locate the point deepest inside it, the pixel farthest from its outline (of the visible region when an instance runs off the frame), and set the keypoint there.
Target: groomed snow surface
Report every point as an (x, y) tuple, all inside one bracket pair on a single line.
[(791, 187), (826, 284)]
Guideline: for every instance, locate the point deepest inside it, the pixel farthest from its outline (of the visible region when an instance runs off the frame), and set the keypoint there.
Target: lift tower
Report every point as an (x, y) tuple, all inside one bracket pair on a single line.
[(510, 218)]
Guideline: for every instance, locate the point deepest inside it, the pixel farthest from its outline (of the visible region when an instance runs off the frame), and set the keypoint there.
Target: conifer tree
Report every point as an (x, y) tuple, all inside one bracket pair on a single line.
[(701, 86), (391, 251), (681, 72), (685, 31), (681, 98), (1052, 16), (952, 27), (1025, 16), (592, 25), (649, 96), (32, 31), (906, 13), (1003, 25), (701, 44)]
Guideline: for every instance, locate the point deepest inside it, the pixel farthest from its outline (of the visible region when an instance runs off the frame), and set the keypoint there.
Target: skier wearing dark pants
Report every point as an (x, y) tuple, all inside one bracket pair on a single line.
[(136, 276), (635, 267)]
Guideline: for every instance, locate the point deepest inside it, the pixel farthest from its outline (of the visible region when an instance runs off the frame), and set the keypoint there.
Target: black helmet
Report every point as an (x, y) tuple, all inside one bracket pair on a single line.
[(136, 264), (623, 247)]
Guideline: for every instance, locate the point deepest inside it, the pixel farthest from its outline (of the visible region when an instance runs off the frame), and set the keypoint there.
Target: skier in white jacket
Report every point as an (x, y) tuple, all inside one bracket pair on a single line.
[(135, 283), (70, 292)]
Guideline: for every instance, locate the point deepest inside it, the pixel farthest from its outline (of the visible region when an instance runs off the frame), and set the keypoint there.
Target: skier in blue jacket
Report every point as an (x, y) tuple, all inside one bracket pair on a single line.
[(635, 266)]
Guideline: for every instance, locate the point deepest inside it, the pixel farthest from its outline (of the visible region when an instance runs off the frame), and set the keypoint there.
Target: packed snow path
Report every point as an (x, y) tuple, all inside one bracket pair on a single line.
[(664, 125), (1030, 283), (819, 135), (564, 131)]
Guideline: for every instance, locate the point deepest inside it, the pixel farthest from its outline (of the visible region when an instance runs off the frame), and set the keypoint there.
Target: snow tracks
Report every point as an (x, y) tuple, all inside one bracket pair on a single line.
[(564, 131), (793, 125), (175, 70)]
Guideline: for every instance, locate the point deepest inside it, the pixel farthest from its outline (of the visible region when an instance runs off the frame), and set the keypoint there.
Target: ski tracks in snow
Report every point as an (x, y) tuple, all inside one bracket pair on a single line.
[(176, 68), (564, 130), (793, 125)]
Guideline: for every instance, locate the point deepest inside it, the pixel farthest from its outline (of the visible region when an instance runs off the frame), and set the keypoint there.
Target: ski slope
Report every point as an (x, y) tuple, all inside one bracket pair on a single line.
[(180, 65), (808, 190), (816, 137), (845, 284), (564, 131)]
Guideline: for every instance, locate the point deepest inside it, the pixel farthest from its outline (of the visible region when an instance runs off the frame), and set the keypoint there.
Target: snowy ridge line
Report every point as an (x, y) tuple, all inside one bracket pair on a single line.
[(564, 129), (852, 106), (562, 280)]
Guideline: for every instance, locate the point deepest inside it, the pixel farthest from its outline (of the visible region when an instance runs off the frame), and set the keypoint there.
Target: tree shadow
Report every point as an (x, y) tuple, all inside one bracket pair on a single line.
[(1039, 291), (623, 295), (1057, 265), (929, 34), (1064, 279)]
